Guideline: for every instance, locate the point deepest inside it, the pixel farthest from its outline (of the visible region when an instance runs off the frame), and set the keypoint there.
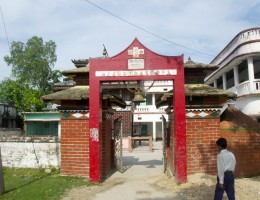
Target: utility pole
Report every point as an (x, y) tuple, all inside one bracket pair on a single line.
[(2, 185)]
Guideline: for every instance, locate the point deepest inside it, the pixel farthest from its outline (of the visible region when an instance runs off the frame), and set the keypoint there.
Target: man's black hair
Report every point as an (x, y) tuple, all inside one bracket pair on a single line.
[(222, 142)]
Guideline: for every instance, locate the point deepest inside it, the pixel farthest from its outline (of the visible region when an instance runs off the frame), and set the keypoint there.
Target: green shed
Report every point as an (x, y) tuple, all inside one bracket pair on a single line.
[(42, 123)]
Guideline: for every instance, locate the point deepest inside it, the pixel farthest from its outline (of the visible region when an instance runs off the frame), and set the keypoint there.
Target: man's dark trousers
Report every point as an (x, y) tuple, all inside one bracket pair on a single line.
[(228, 187)]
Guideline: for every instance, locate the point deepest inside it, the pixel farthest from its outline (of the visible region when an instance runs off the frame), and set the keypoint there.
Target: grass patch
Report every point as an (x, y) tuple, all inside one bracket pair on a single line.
[(37, 184)]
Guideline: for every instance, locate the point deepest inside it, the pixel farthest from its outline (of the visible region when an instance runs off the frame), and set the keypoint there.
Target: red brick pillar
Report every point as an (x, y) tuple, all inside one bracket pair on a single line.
[(75, 144)]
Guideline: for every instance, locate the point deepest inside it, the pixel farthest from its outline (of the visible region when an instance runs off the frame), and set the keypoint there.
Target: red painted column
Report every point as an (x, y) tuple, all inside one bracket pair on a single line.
[(94, 131), (180, 159)]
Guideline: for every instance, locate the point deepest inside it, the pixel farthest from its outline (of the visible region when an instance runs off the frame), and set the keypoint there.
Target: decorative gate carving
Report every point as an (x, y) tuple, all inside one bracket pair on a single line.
[(118, 147), (164, 137)]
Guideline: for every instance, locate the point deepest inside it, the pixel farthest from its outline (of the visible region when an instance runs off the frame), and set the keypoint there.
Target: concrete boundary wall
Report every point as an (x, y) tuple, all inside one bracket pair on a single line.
[(11, 132), (30, 152)]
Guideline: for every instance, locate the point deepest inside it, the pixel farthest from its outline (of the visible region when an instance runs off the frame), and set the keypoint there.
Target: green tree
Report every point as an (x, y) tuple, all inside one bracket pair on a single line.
[(32, 74), (20, 95), (32, 63)]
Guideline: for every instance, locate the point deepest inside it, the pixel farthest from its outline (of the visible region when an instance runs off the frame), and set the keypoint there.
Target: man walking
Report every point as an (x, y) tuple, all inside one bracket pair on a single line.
[(226, 164)]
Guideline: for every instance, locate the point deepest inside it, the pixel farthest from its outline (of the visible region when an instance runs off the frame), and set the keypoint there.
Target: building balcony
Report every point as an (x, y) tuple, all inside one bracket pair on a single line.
[(244, 42), (149, 109), (244, 88), (144, 109)]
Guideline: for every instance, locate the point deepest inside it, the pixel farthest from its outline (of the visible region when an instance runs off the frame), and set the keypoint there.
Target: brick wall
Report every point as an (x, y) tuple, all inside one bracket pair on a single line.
[(75, 144), (202, 130), (202, 151), (202, 133), (245, 144)]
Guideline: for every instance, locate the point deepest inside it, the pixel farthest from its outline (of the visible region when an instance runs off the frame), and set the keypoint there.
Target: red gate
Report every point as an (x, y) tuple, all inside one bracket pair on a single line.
[(137, 62)]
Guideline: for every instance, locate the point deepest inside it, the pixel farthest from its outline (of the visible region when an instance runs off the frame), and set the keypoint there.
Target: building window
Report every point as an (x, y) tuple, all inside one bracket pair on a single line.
[(42, 128), (243, 72), (257, 69), (230, 78), (149, 99), (220, 83)]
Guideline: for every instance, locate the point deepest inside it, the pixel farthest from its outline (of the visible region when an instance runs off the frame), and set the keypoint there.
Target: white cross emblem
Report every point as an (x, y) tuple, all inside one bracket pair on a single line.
[(135, 52)]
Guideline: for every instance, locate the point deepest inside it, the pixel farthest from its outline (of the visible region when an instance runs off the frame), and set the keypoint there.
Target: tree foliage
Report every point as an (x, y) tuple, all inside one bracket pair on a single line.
[(32, 63), (20, 95)]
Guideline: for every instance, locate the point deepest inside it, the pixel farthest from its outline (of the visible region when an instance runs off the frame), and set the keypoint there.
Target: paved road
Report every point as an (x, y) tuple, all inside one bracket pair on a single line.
[(141, 180), (138, 181)]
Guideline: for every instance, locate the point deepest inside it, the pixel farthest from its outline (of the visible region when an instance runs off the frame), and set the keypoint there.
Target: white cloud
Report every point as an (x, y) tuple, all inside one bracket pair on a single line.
[(80, 29)]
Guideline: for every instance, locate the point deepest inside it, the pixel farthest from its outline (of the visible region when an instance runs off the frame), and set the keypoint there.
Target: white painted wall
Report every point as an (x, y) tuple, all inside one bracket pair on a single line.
[(249, 105), (30, 154), (149, 117)]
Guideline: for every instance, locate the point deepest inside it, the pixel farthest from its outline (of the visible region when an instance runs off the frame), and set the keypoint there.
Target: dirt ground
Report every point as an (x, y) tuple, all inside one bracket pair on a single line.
[(145, 180), (202, 187), (198, 187)]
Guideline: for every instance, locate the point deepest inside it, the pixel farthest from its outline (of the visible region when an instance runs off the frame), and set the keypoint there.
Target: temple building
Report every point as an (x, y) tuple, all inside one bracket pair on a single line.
[(152, 95)]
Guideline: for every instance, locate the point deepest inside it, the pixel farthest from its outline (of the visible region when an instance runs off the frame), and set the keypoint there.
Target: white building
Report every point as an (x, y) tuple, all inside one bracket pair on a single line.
[(239, 71), (147, 119)]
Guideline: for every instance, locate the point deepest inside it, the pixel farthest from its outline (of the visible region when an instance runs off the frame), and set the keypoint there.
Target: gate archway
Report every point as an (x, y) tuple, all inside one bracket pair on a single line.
[(137, 62)]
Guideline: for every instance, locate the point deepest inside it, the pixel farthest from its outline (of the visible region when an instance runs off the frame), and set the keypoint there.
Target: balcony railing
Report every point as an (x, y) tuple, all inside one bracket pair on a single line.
[(244, 37), (244, 88), (149, 109), (144, 109)]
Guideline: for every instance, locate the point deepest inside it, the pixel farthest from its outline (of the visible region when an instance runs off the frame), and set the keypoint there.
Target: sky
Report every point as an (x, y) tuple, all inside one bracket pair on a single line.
[(199, 29)]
